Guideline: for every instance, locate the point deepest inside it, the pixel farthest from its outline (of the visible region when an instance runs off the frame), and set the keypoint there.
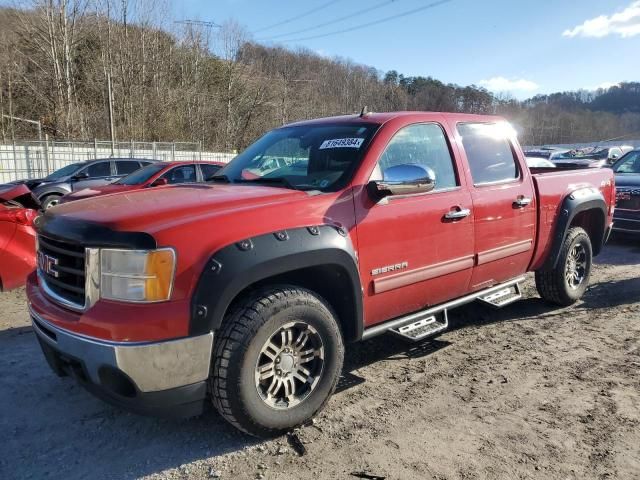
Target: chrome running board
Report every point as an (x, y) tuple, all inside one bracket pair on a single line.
[(413, 319)]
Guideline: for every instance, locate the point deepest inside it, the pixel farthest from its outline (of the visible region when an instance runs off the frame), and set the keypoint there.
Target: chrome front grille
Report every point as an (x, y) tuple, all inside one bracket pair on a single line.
[(61, 267)]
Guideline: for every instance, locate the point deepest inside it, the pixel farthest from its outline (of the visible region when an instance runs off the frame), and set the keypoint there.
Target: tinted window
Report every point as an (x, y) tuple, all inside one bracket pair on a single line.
[(102, 169), (422, 144), (208, 170), (183, 174), (126, 167), (629, 164), (489, 152)]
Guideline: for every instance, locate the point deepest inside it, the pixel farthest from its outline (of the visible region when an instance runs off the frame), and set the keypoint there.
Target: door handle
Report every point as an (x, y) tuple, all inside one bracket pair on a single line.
[(521, 202), (457, 214)]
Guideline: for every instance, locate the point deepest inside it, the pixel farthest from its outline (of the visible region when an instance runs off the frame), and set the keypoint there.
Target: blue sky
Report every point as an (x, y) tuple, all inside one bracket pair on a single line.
[(520, 46)]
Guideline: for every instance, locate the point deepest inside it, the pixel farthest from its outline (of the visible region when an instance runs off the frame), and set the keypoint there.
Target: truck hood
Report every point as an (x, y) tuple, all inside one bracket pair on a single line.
[(149, 210)]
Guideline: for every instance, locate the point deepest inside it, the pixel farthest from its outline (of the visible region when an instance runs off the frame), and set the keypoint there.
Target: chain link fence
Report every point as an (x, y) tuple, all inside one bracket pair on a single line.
[(37, 159)]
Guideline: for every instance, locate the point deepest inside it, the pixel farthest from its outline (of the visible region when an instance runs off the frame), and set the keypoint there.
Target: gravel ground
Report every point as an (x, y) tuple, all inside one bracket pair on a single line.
[(529, 391)]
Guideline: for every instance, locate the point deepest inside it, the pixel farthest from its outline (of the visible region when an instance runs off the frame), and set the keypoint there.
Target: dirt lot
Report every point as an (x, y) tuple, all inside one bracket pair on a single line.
[(525, 392)]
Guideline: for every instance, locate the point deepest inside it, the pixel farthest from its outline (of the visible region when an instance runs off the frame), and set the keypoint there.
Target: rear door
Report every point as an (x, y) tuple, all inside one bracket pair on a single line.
[(125, 167), (504, 204), (412, 255)]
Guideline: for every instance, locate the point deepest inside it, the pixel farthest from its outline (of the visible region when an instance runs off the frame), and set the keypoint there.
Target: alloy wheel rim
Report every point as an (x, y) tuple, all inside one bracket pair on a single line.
[(52, 203), (289, 365), (576, 266)]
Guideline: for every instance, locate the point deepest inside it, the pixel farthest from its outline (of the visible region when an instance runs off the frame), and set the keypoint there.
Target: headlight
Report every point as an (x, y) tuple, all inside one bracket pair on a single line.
[(137, 275)]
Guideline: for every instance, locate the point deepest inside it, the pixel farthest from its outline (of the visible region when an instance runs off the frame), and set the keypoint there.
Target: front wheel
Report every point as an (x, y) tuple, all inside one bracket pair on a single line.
[(277, 360), (50, 201), (566, 283)]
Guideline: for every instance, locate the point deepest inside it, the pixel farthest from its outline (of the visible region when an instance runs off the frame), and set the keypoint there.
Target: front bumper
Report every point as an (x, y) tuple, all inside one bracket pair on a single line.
[(166, 378)]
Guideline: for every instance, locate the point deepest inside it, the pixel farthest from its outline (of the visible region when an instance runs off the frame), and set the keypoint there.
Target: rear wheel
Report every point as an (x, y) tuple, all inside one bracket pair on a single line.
[(567, 282), (277, 361), (50, 201)]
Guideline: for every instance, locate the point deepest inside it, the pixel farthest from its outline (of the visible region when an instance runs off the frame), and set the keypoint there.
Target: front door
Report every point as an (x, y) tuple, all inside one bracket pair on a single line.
[(99, 174), (503, 203), (411, 254)]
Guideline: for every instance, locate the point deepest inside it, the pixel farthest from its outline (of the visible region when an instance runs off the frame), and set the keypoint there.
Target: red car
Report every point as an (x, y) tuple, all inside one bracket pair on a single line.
[(18, 208), (153, 175), (248, 290)]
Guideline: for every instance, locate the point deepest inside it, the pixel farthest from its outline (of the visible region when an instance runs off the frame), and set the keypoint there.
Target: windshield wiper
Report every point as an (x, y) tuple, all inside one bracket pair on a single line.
[(280, 181)]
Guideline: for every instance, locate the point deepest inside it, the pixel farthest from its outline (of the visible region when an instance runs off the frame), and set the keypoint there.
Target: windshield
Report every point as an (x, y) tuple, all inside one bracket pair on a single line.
[(142, 175), (319, 157), (64, 171), (630, 163)]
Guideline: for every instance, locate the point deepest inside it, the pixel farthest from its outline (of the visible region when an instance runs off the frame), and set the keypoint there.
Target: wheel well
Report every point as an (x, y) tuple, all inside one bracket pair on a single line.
[(331, 282), (50, 194), (593, 222)]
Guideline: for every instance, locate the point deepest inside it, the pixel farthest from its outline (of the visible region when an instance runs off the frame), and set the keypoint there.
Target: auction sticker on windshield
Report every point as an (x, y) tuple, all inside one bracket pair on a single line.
[(342, 143)]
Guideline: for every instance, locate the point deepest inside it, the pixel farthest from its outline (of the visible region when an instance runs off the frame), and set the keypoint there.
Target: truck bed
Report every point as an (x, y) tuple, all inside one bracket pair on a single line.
[(552, 186)]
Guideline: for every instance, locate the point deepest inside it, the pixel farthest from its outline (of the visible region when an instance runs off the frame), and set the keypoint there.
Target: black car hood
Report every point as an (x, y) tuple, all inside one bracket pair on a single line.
[(627, 180)]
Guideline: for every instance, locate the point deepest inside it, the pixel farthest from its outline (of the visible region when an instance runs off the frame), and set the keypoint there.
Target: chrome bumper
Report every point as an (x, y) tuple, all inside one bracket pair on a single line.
[(151, 366)]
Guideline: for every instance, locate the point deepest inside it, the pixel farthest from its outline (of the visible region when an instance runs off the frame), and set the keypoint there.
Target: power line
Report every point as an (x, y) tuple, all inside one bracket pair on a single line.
[(369, 24), (199, 23), (297, 17), (335, 20)]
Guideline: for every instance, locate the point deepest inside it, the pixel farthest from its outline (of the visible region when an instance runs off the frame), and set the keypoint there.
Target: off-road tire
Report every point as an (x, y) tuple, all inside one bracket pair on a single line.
[(552, 284), (238, 346), (47, 201)]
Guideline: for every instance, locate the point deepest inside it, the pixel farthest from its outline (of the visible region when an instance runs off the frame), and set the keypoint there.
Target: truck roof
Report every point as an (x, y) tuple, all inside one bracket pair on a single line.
[(383, 117)]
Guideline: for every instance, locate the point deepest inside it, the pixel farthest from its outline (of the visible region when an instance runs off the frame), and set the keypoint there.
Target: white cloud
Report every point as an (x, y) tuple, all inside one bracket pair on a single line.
[(625, 24), (502, 84)]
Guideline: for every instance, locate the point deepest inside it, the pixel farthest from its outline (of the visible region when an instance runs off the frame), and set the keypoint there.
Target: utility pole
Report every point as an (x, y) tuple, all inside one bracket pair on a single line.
[(37, 123), (111, 128)]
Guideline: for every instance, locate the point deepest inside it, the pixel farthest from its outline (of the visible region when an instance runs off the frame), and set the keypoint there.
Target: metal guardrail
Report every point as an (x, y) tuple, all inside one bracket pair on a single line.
[(36, 159)]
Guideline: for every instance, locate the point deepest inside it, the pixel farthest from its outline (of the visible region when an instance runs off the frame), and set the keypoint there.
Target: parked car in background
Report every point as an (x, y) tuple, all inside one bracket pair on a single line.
[(154, 175), (547, 153), (18, 209), (538, 162), (80, 175), (626, 217), (589, 157)]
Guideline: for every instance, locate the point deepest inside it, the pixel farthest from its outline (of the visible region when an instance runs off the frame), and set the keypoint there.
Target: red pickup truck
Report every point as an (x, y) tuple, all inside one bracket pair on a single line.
[(246, 290)]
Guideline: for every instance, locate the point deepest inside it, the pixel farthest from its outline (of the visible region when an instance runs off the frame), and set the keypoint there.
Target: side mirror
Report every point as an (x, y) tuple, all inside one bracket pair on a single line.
[(159, 182), (405, 179), (80, 176)]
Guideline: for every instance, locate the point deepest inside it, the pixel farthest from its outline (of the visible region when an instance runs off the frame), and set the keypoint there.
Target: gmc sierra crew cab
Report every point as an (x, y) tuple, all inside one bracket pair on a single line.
[(246, 290)]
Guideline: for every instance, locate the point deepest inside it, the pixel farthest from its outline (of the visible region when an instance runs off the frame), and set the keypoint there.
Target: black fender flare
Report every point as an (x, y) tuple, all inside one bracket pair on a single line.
[(235, 267), (578, 201)]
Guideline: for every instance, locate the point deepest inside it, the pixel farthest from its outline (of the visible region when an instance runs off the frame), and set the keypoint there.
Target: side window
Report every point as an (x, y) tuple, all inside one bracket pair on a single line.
[(101, 169), (489, 152), (183, 174), (423, 144), (631, 164), (126, 167), (208, 170)]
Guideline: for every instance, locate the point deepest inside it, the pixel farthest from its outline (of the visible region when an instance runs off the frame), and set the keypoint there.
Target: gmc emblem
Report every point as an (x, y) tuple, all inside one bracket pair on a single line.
[(46, 264)]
